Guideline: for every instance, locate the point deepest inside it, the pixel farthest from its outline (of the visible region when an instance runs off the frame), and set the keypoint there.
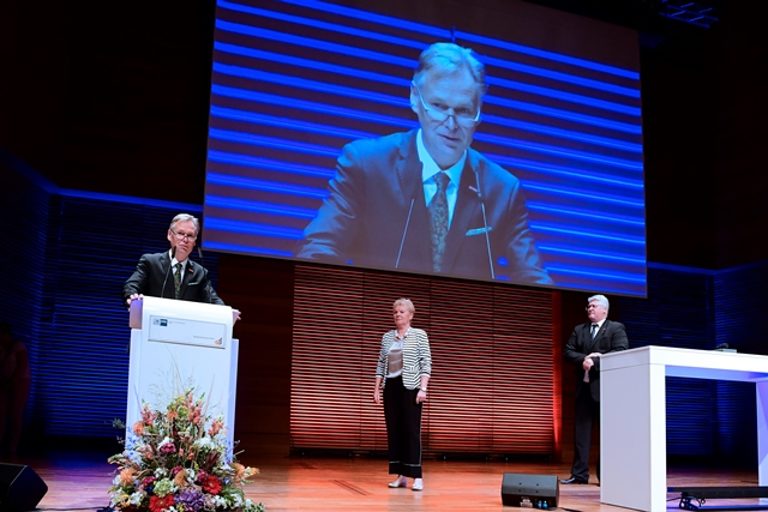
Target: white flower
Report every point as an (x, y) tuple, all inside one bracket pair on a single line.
[(205, 442), (161, 472), (136, 498)]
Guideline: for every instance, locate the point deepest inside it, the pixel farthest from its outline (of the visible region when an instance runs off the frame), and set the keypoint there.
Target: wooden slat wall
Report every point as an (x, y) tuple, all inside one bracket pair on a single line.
[(494, 371)]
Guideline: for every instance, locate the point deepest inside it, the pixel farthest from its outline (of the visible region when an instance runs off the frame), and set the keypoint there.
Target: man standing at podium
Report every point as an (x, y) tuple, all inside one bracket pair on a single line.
[(171, 274), (584, 347)]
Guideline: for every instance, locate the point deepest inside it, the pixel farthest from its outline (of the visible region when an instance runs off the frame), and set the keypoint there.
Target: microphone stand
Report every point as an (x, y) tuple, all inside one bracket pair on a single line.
[(168, 272), (405, 233), (485, 226)]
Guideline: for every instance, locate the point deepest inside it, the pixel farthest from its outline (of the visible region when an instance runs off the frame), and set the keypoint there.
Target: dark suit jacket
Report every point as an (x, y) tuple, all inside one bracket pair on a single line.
[(610, 338), (363, 220), (153, 277)]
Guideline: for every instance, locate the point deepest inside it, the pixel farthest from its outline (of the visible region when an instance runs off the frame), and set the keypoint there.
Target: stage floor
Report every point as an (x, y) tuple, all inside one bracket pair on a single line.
[(80, 483)]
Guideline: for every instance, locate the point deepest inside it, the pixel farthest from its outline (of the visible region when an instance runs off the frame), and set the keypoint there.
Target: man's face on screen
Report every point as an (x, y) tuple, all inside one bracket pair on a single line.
[(434, 95)]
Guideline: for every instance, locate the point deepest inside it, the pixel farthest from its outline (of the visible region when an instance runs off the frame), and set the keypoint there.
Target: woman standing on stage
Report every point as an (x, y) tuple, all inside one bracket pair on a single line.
[(403, 370)]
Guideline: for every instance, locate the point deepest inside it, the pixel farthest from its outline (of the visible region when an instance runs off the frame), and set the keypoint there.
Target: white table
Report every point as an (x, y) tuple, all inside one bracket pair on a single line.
[(633, 443)]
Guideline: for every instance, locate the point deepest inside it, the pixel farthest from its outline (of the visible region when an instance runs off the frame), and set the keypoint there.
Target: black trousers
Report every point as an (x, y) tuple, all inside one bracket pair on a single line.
[(403, 418), (587, 415)]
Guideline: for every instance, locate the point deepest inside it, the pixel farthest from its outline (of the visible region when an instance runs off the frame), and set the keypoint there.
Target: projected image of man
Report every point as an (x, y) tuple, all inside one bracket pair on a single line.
[(424, 200)]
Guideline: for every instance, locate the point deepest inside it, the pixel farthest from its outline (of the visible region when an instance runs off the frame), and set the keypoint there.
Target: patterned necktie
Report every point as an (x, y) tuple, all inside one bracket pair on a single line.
[(438, 213), (177, 279), (593, 331)]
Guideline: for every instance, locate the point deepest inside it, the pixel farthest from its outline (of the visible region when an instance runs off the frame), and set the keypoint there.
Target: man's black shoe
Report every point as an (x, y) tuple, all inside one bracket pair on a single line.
[(573, 480)]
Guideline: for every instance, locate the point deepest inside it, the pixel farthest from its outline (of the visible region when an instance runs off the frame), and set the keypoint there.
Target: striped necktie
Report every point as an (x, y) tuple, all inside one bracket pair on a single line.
[(177, 279), (438, 213)]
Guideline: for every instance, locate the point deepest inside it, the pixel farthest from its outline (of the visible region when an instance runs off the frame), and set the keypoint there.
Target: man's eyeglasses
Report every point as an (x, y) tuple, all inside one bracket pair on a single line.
[(182, 236), (463, 117)]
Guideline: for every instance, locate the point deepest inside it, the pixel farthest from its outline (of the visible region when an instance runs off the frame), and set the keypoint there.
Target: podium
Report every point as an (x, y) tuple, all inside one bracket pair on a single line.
[(633, 443), (177, 345)]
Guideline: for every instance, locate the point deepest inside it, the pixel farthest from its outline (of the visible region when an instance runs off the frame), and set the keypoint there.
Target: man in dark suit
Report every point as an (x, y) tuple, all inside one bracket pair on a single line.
[(424, 201), (171, 274), (584, 347)]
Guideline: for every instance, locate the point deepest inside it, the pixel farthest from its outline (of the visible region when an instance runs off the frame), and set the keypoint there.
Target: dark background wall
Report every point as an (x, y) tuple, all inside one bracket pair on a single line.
[(113, 100)]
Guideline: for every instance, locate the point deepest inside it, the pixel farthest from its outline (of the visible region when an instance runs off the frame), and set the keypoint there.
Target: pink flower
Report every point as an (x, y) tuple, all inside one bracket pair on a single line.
[(216, 426)]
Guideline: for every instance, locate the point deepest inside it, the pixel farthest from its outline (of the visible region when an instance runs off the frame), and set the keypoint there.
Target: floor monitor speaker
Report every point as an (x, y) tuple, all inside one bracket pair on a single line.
[(541, 491), (21, 489)]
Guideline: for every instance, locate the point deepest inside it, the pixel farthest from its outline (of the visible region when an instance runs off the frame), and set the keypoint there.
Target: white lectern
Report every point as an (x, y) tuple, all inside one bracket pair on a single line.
[(633, 442), (177, 345)]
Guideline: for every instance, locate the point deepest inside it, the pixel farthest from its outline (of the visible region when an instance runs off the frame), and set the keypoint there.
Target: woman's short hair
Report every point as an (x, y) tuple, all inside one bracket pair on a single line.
[(405, 302)]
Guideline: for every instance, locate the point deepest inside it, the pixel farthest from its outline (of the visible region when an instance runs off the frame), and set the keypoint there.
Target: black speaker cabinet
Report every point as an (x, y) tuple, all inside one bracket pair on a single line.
[(542, 491), (20, 488)]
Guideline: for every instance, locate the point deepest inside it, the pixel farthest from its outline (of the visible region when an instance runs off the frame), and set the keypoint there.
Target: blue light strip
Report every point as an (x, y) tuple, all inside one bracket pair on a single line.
[(571, 232), (547, 149), (285, 122), (323, 25), (590, 196), (578, 99), (251, 228), (310, 64), (315, 44), (247, 249), (552, 56), (226, 157), (257, 140), (419, 28), (264, 186), (564, 78), (593, 255), (566, 115), (621, 145), (630, 222), (249, 205), (570, 173), (312, 85), (594, 273), (117, 198)]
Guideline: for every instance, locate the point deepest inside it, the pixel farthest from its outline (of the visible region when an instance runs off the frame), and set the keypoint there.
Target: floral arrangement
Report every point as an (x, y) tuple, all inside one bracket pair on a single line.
[(177, 461)]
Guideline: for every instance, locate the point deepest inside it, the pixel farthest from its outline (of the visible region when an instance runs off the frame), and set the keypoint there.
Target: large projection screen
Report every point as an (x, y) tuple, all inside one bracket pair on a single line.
[(293, 82)]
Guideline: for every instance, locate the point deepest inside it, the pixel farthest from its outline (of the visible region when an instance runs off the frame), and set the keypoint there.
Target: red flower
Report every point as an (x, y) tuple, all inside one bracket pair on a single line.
[(212, 485), (158, 504)]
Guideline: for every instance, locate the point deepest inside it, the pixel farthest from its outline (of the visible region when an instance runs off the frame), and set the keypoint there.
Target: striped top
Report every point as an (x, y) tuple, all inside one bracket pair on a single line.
[(417, 357)]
